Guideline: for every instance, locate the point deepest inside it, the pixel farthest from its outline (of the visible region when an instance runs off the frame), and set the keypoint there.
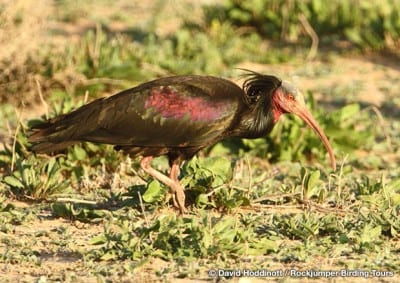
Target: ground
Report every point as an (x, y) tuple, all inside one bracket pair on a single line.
[(67, 265)]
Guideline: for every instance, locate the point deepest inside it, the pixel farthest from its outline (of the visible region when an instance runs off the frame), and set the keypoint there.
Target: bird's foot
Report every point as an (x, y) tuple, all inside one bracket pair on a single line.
[(176, 189), (178, 197)]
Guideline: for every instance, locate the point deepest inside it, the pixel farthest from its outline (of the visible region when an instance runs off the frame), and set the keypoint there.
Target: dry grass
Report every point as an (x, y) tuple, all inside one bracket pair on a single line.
[(23, 25)]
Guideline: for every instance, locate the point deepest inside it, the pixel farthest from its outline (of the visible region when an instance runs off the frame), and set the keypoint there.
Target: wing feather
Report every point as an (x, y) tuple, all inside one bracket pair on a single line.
[(182, 111)]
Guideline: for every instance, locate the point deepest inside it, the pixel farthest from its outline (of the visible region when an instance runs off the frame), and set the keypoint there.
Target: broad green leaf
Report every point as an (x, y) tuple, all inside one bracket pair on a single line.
[(61, 209), (219, 166), (312, 181), (202, 200), (395, 199), (98, 240), (155, 192), (261, 246), (226, 223), (109, 255), (349, 111), (79, 153), (207, 238), (370, 234), (13, 182)]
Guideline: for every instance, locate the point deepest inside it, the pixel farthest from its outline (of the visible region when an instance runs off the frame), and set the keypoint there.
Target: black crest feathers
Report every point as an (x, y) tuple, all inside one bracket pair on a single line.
[(257, 84)]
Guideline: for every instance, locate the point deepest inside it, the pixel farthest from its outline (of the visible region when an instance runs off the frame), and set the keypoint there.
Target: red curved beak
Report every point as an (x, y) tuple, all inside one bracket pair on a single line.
[(290, 100), (287, 99), (307, 117)]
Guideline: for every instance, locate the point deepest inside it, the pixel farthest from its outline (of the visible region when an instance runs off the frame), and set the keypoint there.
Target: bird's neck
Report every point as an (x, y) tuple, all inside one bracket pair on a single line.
[(259, 119)]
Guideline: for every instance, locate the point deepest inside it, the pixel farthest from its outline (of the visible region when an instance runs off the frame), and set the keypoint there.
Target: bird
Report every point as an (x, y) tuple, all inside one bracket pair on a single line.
[(177, 116)]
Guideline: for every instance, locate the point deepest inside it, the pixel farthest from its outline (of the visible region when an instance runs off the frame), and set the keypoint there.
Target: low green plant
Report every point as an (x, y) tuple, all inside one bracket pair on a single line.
[(366, 24), (36, 179), (181, 237)]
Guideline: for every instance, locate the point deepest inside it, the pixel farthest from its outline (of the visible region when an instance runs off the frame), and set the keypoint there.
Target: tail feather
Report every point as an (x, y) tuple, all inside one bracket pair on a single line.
[(45, 138), (49, 147), (65, 130)]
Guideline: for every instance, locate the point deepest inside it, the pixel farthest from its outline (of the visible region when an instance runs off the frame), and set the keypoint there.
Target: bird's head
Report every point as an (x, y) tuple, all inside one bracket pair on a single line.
[(282, 97), (288, 99)]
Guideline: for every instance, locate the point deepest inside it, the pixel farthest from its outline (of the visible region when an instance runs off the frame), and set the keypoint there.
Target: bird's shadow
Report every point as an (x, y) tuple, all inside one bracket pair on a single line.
[(131, 198), (95, 212)]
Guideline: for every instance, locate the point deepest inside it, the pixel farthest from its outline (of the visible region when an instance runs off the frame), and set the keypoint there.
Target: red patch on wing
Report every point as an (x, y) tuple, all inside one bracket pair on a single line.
[(170, 104)]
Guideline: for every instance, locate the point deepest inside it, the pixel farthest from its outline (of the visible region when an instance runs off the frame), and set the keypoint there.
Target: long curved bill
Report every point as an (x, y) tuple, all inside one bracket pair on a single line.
[(307, 117)]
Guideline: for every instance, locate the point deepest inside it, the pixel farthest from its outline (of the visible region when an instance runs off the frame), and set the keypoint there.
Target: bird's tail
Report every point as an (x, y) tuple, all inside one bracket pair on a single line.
[(65, 130), (47, 140), (51, 136)]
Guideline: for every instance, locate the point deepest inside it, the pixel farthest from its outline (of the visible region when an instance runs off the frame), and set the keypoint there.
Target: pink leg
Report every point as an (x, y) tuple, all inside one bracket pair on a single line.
[(172, 182), (179, 196)]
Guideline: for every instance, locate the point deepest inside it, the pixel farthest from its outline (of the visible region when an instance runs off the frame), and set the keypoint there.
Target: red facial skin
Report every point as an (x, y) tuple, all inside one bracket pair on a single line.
[(277, 111)]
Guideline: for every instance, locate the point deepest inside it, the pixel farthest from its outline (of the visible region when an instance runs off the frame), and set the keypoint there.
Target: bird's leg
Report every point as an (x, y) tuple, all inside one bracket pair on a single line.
[(172, 182), (179, 196)]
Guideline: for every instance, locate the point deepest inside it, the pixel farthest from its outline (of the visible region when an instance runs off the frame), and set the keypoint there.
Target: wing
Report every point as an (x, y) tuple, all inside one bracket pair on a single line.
[(182, 111), (175, 112)]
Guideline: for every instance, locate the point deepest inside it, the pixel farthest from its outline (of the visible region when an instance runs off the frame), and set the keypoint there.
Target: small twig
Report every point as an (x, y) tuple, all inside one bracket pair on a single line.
[(250, 177), (45, 105), (143, 210), (15, 140), (311, 205), (303, 182), (340, 176), (74, 200), (219, 188), (86, 97), (299, 208), (97, 43), (314, 37), (140, 176), (104, 81), (276, 196), (383, 124), (94, 49), (268, 175), (287, 209)]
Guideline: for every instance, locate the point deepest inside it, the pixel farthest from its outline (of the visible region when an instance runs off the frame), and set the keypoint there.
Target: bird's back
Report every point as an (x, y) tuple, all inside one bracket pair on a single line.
[(175, 112)]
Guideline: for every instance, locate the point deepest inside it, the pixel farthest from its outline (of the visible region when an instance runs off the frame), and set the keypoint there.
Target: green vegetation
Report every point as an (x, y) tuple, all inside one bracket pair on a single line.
[(366, 24), (270, 203)]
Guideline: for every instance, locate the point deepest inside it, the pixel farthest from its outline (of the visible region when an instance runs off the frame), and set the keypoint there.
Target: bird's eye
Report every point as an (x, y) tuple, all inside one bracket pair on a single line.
[(291, 97)]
